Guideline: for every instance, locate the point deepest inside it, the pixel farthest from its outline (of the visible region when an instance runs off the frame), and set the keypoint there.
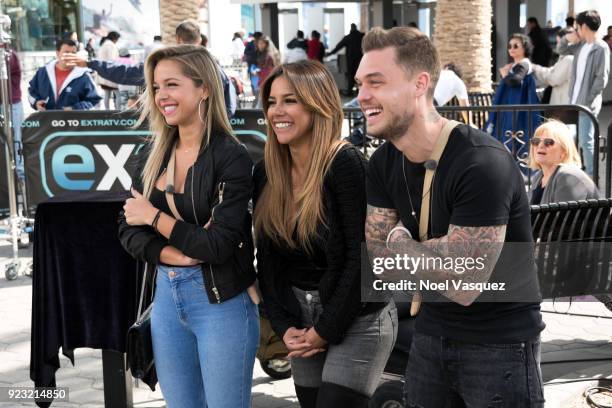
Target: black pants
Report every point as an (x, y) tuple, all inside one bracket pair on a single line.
[(482, 375)]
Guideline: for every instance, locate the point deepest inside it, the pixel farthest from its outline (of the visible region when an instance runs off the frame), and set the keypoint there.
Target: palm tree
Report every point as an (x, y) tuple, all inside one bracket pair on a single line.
[(462, 34), (173, 12)]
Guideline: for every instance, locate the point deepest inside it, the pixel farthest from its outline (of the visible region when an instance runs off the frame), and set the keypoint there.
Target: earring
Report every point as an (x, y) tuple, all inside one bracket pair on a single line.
[(200, 110)]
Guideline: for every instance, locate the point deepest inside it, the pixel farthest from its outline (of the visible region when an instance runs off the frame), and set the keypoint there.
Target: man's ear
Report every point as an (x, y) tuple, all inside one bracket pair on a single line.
[(422, 81)]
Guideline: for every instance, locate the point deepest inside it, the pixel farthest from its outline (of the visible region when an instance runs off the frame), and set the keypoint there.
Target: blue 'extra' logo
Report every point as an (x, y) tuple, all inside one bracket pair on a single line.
[(92, 160)]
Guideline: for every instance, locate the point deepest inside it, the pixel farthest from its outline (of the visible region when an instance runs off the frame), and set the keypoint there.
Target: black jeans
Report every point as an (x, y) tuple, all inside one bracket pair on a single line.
[(442, 372)]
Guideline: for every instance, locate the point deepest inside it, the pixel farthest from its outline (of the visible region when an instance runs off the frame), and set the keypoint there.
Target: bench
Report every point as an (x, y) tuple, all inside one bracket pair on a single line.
[(573, 242), (479, 118)]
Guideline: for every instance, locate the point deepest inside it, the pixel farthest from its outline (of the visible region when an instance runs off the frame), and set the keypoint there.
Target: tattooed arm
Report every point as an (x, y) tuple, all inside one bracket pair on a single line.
[(459, 242), (379, 222)]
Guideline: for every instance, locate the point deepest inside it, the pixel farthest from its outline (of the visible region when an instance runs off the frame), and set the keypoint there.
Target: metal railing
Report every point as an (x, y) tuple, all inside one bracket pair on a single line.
[(517, 141)]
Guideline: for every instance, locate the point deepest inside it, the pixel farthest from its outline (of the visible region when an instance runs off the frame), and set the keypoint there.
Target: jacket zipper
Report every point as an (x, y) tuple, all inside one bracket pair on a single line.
[(192, 202), (214, 288), (212, 214), (221, 188)]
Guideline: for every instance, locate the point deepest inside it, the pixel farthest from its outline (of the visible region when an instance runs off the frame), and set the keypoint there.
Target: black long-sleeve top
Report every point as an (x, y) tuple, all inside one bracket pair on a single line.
[(344, 198)]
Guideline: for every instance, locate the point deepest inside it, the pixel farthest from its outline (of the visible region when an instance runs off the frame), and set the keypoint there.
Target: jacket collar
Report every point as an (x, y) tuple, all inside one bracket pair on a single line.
[(76, 72)]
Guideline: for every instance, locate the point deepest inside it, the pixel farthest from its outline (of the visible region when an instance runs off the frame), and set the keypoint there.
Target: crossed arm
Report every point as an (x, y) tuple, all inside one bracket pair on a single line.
[(459, 242)]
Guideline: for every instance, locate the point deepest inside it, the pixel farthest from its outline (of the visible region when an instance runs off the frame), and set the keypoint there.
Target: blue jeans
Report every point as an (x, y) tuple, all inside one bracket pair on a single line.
[(441, 370), (586, 141), (204, 353), (17, 118)]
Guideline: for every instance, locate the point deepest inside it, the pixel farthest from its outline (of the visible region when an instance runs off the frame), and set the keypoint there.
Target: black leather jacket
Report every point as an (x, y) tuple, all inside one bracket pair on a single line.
[(223, 169)]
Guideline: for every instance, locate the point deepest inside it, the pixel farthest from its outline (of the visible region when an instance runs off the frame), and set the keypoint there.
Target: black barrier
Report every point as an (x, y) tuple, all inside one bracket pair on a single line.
[(88, 150), (78, 151), (566, 113)]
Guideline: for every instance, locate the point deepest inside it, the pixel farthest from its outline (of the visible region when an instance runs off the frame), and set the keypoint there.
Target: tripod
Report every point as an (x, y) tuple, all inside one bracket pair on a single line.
[(16, 225)]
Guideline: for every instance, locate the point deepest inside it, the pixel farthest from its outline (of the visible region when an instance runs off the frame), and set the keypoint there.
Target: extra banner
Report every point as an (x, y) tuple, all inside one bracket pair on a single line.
[(68, 151)]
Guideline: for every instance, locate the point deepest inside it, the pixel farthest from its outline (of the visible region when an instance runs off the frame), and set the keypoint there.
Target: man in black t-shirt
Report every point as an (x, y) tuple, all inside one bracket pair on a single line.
[(484, 353)]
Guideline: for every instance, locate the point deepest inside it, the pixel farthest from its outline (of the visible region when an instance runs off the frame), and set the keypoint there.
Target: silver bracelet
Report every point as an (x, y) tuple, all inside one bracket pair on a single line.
[(398, 228)]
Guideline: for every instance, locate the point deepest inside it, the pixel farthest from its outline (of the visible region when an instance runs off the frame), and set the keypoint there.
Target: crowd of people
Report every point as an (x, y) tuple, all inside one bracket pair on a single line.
[(578, 77), (314, 203), (315, 200)]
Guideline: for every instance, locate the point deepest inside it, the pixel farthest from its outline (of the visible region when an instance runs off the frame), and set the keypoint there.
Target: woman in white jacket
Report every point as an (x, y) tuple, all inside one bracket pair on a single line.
[(558, 76)]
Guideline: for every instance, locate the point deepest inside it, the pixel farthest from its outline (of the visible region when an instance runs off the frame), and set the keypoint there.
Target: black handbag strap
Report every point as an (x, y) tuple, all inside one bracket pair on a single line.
[(142, 290)]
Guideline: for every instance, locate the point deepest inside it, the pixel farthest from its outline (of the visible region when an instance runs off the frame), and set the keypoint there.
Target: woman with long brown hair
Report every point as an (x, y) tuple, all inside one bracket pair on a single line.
[(309, 216), (189, 217)]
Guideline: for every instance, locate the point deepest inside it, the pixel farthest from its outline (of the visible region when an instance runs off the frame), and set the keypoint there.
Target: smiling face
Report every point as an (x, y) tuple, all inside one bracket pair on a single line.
[(515, 49), (176, 96), (387, 95), (288, 116)]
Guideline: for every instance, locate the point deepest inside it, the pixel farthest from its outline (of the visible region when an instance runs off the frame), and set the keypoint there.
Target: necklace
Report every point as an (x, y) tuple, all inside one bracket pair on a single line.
[(413, 213)]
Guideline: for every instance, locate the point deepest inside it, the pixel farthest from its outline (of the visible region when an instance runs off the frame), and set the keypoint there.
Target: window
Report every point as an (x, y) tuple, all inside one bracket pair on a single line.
[(37, 24)]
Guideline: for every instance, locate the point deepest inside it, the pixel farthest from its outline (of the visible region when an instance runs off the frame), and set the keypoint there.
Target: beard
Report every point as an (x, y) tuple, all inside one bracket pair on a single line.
[(397, 127)]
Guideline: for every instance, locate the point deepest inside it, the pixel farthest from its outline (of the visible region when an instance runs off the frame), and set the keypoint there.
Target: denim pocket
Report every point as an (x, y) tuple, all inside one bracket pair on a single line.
[(534, 375)]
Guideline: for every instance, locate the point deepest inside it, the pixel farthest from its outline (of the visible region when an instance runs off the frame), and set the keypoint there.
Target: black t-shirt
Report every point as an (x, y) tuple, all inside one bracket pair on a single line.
[(158, 199), (477, 183)]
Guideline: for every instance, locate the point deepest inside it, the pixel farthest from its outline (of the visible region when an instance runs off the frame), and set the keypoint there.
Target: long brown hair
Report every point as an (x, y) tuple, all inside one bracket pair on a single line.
[(199, 65), (278, 212)]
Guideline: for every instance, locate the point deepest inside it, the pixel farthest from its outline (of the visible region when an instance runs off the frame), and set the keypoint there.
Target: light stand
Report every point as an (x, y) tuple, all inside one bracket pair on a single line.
[(16, 222)]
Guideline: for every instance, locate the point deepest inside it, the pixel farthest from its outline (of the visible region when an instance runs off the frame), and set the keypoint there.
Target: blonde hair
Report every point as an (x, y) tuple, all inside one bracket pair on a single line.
[(197, 64), (277, 210), (560, 133)]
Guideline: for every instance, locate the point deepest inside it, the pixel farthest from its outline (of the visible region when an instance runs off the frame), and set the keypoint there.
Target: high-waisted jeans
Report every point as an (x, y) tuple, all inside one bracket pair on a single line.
[(204, 353)]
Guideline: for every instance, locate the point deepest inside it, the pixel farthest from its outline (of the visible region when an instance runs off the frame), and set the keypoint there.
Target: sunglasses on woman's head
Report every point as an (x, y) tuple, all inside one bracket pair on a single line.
[(535, 141), (515, 46)]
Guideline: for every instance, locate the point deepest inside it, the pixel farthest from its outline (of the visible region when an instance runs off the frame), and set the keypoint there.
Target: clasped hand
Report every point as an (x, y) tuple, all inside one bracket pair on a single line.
[(303, 342)]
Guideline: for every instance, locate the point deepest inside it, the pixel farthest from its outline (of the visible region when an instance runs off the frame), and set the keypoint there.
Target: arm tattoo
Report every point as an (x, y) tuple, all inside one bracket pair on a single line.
[(460, 242), (379, 222)]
